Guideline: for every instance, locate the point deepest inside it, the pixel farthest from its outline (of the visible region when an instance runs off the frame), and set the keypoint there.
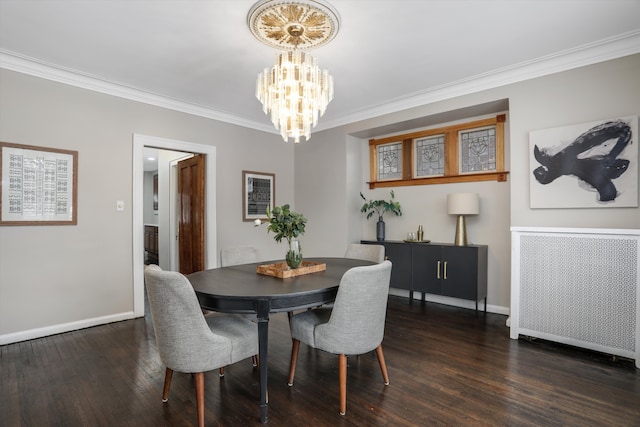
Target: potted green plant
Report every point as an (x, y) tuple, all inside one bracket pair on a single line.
[(380, 207), (287, 224)]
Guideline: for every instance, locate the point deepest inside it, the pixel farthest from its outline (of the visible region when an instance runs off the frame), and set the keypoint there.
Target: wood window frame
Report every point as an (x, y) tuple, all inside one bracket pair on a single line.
[(452, 157)]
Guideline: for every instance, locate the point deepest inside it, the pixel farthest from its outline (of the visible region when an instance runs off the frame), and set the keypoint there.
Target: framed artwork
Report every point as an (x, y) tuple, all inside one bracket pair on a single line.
[(590, 165), (258, 193), (39, 185)]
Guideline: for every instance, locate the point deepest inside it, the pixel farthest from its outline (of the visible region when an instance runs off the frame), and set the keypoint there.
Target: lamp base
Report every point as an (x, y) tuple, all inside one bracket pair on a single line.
[(461, 231)]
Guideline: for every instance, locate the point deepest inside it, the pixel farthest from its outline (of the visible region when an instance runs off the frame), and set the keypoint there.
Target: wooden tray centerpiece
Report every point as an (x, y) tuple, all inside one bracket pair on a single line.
[(282, 270)]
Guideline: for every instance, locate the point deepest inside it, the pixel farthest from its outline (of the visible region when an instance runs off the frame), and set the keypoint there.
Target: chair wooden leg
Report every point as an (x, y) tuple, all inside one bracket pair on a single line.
[(383, 365), (342, 373), (168, 374), (294, 359), (221, 372), (199, 378)]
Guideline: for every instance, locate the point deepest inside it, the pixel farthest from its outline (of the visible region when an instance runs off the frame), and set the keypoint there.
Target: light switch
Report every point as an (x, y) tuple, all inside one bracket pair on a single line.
[(120, 205)]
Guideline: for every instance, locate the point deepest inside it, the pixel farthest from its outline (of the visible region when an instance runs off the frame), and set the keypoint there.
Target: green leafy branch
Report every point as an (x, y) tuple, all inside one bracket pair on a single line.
[(285, 223), (380, 206)]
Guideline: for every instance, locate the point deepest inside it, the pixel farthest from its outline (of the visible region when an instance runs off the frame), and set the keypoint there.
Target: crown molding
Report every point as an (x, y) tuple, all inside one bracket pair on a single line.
[(33, 67), (603, 50)]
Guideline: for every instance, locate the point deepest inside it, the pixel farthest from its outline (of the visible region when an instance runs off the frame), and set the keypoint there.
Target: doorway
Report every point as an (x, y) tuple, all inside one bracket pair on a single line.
[(210, 251)]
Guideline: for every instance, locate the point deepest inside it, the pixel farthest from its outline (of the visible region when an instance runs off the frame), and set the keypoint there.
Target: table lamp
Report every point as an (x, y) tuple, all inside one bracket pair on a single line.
[(462, 204)]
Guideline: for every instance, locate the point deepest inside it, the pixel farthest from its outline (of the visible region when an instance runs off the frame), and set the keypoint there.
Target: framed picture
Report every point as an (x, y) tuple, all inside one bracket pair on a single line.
[(588, 165), (39, 185), (258, 193)]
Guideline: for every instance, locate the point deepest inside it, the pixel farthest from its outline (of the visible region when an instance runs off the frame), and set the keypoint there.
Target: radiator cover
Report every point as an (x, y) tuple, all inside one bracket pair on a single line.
[(578, 287)]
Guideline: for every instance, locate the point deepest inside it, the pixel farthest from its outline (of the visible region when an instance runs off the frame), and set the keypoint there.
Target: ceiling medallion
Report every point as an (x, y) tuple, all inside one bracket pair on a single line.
[(291, 24)]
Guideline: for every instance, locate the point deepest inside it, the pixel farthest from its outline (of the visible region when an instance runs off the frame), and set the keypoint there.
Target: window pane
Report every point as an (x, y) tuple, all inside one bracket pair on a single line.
[(429, 156), (390, 161), (478, 150)]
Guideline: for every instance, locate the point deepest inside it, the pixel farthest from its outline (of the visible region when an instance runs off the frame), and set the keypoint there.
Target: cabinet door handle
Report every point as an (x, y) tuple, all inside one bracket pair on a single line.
[(438, 271), (445, 270)]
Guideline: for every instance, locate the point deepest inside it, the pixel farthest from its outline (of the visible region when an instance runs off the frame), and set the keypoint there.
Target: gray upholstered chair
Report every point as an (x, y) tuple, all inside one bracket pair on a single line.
[(355, 324), (373, 253), (188, 341), (238, 255), (235, 256)]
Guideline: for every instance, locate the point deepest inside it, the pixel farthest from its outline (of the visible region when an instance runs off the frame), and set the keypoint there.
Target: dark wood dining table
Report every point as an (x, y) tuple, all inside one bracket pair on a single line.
[(240, 289)]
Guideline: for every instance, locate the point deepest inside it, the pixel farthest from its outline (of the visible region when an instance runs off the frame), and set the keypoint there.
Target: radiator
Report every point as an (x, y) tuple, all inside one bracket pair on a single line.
[(578, 287)]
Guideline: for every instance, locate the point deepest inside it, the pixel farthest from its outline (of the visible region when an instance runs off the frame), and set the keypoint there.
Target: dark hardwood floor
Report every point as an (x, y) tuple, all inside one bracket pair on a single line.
[(447, 367)]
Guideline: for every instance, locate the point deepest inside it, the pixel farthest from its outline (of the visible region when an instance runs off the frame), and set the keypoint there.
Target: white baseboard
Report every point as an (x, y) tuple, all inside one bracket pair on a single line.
[(63, 327), (87, 323), (456, 302)]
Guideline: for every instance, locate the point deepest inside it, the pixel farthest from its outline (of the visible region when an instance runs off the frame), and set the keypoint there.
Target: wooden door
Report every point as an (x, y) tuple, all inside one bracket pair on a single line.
[(191, 220)]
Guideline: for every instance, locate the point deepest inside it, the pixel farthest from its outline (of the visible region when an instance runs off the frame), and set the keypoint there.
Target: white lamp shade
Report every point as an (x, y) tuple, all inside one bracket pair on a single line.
[(463, 204)]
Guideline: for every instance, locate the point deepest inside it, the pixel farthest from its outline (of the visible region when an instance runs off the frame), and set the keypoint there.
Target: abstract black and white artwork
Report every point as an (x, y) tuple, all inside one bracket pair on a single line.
[(585, 166)]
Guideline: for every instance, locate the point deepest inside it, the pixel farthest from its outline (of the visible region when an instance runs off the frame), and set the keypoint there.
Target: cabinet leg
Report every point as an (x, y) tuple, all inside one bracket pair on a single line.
[(485, 306)]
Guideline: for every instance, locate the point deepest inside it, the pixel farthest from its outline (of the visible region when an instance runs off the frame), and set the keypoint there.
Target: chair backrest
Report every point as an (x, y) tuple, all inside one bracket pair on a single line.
[(185, 341), (238, 255), (357, 320), (373, 253)]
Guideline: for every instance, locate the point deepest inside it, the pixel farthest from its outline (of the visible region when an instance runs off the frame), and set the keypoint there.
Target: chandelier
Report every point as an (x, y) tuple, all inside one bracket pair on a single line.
[(295, 91)]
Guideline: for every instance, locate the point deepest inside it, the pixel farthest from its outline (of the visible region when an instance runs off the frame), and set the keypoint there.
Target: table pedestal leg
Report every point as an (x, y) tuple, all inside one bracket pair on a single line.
[(263, 341)]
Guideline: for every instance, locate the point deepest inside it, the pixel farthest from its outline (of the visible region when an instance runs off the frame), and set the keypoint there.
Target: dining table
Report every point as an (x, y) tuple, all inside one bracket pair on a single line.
[(241, 289)]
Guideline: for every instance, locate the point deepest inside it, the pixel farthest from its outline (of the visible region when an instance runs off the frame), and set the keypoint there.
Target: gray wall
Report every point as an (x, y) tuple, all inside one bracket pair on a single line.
[(607, 90), (57, 277), (603, 91), (75, 275)]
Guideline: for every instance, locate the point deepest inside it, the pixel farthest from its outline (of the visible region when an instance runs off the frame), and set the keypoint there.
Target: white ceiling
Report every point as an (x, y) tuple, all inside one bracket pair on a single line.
[(199, 56)]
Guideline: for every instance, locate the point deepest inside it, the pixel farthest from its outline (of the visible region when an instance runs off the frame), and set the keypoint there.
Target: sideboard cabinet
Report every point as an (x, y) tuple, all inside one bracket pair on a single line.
[(438, 269), (400, 256)]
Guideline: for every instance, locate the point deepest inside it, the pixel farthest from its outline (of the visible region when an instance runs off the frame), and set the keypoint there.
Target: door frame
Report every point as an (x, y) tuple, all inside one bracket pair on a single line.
[(210, 249)]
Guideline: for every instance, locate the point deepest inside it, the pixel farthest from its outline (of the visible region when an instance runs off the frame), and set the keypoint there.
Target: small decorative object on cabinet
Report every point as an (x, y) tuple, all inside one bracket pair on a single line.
[(439, 269), (380, 207)]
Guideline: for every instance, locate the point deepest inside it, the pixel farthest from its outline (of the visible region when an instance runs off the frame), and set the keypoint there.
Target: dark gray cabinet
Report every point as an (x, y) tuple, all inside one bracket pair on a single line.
[(400, 256), (439, 269), (452, 271)]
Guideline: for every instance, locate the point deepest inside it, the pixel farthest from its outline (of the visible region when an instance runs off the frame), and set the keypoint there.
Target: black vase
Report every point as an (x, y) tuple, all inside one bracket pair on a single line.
[(380, 230)]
